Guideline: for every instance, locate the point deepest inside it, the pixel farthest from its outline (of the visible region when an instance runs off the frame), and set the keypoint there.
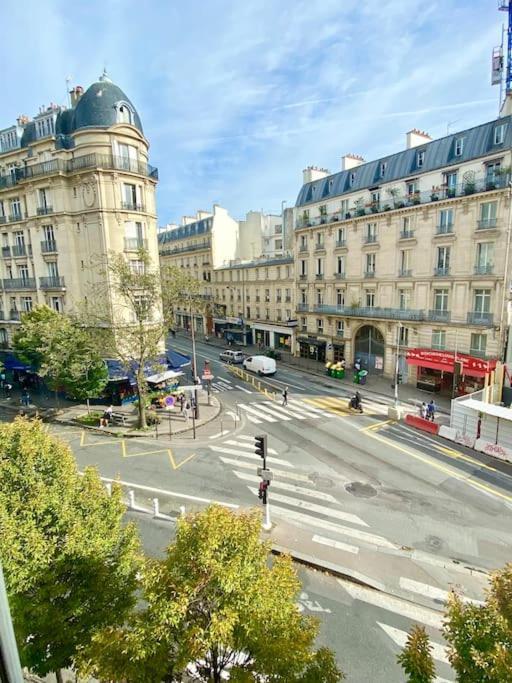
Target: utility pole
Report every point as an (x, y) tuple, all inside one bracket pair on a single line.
[(260, 443), (194, 360), (397, 363), (10, 666)]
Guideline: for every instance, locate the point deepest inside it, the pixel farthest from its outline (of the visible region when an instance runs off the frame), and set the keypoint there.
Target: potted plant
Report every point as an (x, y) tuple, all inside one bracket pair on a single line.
[(469, 187), (415, 198), (335, 218), (393, 192), (434, 194), (387, 207), (359, 207), (374, 207)]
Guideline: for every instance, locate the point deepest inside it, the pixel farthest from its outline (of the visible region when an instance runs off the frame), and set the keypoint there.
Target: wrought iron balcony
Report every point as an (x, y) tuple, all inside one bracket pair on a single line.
[(340, 333), (441, 272), (480, 318), (48, 246), (370, 239), (6, 252), (52, 282), (319, 276), (3, 219), (406, 234), (370, 312), (486, 223), (13, 217), (340, 275), (134, 243), (446, 229), (19, 250), (303, 276), (44, 210), (439, 315), (131, 206), (484, 269), (369, 274), (303, 307), (404, 272), (20, 283), (340, 244), (303, 248), (14, 315)]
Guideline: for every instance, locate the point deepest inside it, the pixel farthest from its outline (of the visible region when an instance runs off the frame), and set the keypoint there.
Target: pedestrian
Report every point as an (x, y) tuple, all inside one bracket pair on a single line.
[(423, 410), (357, 365), (25, 398), (431, 410), (285, 396), (7, 390), (106, 417), (186, 411)]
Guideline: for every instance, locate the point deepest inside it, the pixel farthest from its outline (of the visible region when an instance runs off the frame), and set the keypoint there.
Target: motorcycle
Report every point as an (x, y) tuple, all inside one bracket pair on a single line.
[(355, 404)]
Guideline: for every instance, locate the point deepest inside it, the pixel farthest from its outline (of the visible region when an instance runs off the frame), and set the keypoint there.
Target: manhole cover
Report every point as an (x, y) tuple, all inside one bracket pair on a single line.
[(434, 542), (319, 480), (360, 490)]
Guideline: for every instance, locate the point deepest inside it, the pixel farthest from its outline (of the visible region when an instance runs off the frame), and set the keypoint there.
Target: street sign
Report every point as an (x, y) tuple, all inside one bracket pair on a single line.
[(169, 402), (192, 387), (207, 376), (266, 475)]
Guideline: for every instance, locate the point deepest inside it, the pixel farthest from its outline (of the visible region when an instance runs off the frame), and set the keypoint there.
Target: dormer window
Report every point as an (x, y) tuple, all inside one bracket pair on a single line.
[(499, 134), (383, 167), (352, 179), (124, 113), (459, 146), (420, 158)]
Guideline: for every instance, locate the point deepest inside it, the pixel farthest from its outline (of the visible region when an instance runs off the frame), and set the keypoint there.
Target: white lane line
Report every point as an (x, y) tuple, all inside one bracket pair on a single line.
[(400, 638), (237, 386), (251, 456), (256, 414), (307, 408), (254, 420), (432, 591), (273, 411), (389, 602), (301, 413), (314, 507), (336, 544), (363, 536), (285, 411), (289, 487), (278, 473), (233, 442)]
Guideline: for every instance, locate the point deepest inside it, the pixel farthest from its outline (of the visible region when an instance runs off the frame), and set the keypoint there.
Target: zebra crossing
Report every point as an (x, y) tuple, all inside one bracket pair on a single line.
[(258, 412), (339, 405), (220, 384)]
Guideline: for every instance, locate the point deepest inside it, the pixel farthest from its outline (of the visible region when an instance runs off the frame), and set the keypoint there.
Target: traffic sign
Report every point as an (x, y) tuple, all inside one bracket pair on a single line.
[(206, 376), (169, 402), (266, 475)]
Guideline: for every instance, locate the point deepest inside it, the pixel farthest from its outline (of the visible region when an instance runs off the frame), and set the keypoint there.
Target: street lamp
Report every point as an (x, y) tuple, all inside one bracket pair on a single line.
[(397, 366), (194, 359)]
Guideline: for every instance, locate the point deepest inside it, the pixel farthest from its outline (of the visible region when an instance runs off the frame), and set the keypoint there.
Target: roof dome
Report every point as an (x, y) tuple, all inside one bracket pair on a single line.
[(103, 105)]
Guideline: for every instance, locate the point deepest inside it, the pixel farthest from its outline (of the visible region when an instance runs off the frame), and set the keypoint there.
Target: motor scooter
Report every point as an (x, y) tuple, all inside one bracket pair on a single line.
[(355, 404)]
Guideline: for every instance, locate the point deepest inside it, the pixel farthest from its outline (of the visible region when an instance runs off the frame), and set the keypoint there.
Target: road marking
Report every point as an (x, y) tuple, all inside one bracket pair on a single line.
[(243, 389), (254, 420), (442, 468), (252, 456), (295, 412), (363, 536), (176, 466), (400, 638), (308, 408), (216, 436), (336, 544), (254, 413), (247, 445), (311, 605), (273, 411), (314, 507), (432, 591), (391, 603), (289, 487), (278, 473), (378, 425), (171, 494)]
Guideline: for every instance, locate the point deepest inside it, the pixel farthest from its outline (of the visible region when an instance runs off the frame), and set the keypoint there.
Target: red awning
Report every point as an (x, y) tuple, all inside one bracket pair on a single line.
[(430, 364), (444, 360)]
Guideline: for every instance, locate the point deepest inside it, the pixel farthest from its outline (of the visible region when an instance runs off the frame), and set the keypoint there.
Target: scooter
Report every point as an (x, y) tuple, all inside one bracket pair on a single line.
[(354, 404)]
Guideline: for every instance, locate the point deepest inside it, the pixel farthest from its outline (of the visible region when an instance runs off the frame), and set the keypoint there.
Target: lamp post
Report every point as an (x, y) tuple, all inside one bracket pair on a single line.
[(10, 667), (194, 360), (397, 360)]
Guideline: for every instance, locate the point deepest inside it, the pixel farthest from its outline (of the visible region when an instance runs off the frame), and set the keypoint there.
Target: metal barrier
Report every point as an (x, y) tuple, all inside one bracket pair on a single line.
[(258, 384)]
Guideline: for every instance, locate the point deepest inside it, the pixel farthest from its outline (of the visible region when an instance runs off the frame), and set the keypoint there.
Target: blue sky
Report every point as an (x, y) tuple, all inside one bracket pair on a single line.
[(236, 98)]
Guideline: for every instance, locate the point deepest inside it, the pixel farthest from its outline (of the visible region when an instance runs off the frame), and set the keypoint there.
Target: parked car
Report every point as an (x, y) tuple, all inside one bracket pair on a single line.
[(231, 356), (263, 365)]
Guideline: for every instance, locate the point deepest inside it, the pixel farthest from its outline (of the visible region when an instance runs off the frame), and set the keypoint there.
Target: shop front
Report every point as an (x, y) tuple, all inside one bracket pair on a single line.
[(233, 330), (447, 373), (272, 336), (312, 348)]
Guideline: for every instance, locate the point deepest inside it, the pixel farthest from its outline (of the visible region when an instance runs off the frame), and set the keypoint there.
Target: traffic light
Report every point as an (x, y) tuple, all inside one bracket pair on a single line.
[(260, 445), (262, 490), (399, 378)]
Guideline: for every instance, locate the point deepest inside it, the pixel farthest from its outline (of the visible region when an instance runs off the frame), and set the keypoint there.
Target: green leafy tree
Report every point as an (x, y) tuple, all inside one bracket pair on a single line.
[(416, 658), (181, 291), (70, 563), (37, 327), (214, 605)]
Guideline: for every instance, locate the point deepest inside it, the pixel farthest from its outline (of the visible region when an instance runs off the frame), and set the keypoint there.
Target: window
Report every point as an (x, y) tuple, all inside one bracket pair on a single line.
[(482, 301), (303, 324), (287, 271), (404, 299), (370, 263), (352, 179), (322, 210), (340, 297), (19, 238), (278, 295), (450, 180), (26, 303), (406, 223), (23, 272), (319, 240), (488, 211), (43, 198), (340, 328), (370, 298), (438, 339), (279, 244), (267, 295), (341, 236), (445, 221), (499, 134), (459, 146), (412, 187), (371, 233), (319, 297), (56, 304), (420, 158), (288, 295), (440, 299), (303, 242), (319, 266), (304, 296), (404, 336), (131, 196), (278, 315), (383, 166), (344, 207), (137, 267), (340, 265), (127, 157), (124, 114), (258, 313), (484, 257), (492, 171), (53, 269), (478, 344), (49, 234), (320, 325), (2, 209), (375, 197), (443, 261), (405, 261), (15, 207)]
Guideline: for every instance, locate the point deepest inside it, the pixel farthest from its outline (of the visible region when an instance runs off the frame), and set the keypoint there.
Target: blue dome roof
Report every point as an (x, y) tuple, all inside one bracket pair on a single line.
[(100, 105)]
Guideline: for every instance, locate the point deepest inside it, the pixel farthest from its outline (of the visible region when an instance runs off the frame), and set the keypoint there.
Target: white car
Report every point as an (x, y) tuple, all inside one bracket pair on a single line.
[(262, 365)]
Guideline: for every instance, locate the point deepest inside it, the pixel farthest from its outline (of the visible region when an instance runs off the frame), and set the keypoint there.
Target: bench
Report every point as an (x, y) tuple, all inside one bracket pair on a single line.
[(119, 418)]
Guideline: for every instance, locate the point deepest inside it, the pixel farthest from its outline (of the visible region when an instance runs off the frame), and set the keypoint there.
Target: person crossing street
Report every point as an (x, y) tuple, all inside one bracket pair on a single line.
[(285, 397)]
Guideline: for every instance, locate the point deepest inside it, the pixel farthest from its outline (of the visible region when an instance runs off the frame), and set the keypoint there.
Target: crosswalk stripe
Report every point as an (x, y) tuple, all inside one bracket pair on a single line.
[(345, 547), (278, 473), (243, 389), (251, 456), (258, 415), (323, 403), (364, 536), (312, 493), (432, 591), (273, 411), (234, 442), (400, 638), (282, 410), (314, 507), (303, 410), (391, 603), (294, 412), (254, 420), (307, 407)]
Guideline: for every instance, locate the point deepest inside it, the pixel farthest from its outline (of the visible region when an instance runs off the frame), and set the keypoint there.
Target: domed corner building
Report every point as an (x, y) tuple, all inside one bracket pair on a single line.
[(75, 183)]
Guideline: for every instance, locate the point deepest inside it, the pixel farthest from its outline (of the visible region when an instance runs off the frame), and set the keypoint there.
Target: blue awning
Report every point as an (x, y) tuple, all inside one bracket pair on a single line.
[(11, 362), (119, 371), (177, 360)]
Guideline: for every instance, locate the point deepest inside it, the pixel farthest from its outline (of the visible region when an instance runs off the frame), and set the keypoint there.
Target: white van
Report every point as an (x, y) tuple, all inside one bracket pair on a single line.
[(263, 365)]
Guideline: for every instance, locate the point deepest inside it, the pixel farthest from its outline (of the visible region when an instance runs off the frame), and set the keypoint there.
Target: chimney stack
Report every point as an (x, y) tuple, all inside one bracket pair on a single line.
[(76, 94), (312, 173), (351, 161), (415, 138)]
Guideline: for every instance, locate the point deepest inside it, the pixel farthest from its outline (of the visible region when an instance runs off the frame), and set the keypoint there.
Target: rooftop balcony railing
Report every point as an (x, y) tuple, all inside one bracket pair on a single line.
[(180, 250), (479, 318), (52, 282), (370, 312), (20, 283)]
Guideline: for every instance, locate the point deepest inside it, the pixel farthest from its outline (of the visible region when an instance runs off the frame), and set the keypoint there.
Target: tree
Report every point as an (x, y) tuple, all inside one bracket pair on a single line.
[(416, 658), (214, 605), (37, 327), (181, 291), (70, 563)]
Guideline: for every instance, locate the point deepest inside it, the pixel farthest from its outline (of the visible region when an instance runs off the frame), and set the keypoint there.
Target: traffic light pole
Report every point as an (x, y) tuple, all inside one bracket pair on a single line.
[(260, 443), (397, 366)]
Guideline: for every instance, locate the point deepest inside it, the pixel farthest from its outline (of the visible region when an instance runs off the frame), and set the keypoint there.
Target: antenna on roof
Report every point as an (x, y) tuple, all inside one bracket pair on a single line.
[(450, 124), (68, 96)]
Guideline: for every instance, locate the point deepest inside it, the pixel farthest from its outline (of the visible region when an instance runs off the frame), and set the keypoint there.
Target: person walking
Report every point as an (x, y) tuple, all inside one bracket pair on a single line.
[(25, 398), (423, 410), (431, 410), (285, 397), (186, 411)]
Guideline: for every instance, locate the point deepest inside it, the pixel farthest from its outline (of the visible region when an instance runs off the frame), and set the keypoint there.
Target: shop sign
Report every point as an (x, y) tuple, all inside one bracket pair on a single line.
[(234, 321), (379, 362), (446, 360)]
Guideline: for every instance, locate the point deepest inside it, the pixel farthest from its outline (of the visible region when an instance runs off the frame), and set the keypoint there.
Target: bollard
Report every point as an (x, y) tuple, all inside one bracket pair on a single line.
[(156, 507), (182, 510), (131, 499), (108, 486)]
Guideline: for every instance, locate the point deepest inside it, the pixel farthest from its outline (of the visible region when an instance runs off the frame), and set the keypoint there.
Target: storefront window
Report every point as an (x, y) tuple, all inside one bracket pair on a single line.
[(338, 352)]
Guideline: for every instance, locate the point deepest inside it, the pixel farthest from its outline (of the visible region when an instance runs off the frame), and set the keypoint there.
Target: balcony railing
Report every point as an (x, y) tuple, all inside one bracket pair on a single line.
[(340, 276), (52, 282), (446, 229), (13, 217), (319, 247), (134, 243), (20, 283), (441, 272), (319, 276), (278, 300), (404, 272), (131, 206), (14, 315), (406, 234), (303, 307), (6, 252), (479, 318), (287, 299), (340, 244), (48, 246), (371, 312), (180, 250), (369, 273), (486, 223), (370, 239), (484, 269), (19, 250), (3, 219), (467, 188), (2, 317), (439, 315), (44, 210), (99, 161), (303, 276)]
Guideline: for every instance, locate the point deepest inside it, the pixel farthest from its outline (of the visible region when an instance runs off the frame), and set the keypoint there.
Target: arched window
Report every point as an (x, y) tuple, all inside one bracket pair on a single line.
[(124, 114)]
